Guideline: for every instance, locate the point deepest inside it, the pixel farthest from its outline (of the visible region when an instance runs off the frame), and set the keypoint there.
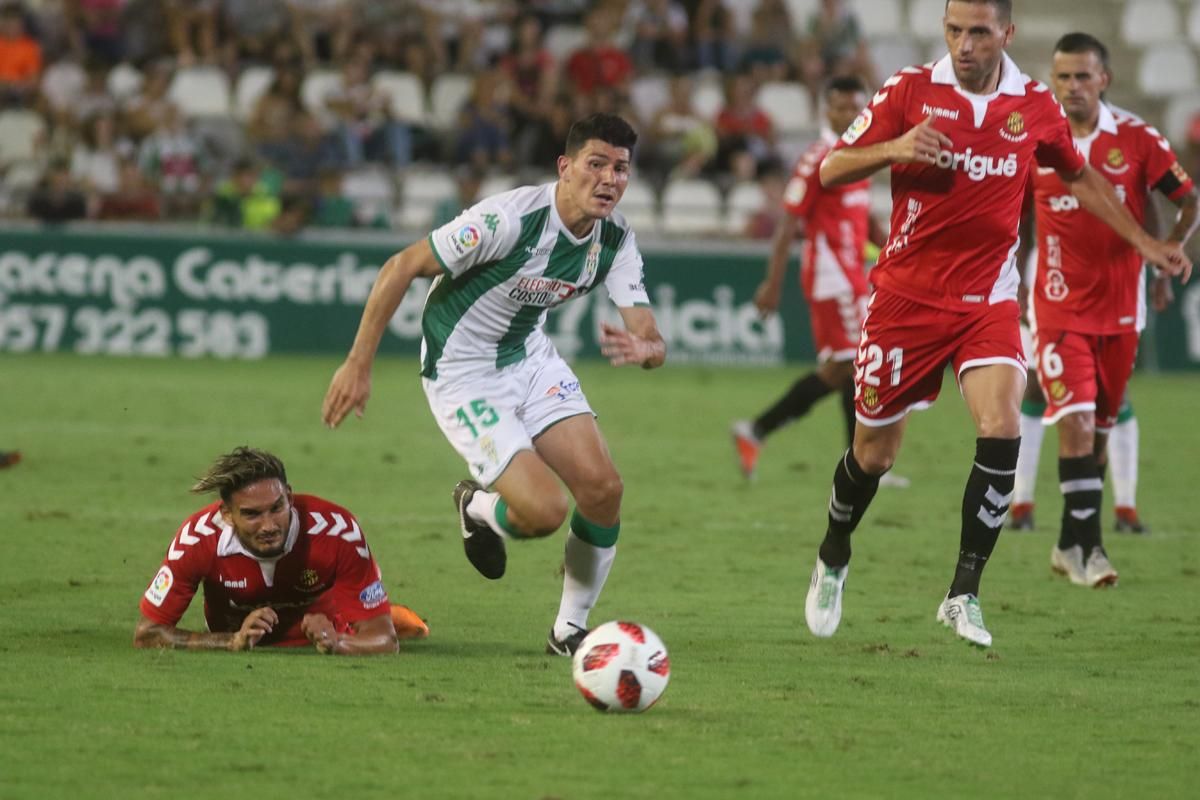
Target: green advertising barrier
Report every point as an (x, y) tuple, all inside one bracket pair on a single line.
[(155, 293)]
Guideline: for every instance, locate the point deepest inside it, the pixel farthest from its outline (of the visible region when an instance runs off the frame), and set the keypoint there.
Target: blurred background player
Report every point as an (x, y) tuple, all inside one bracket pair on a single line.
[(501, 393), (1089, 294), (277, 569), (835, 223), (961, 137)]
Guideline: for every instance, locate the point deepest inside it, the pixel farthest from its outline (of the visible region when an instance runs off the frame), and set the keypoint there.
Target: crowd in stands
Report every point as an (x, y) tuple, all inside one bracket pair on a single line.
[(284, 114)]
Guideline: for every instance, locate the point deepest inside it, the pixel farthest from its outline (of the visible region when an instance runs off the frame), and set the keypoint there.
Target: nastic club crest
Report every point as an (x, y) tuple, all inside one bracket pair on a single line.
[(1015, 123), (1115, 158)]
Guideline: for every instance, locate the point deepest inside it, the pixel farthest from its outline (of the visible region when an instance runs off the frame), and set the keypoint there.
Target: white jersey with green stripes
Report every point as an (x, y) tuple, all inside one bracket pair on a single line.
[(506, 261)]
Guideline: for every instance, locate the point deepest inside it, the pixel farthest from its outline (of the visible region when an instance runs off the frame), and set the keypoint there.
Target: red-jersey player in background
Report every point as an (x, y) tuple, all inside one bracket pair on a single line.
[(960, 137), (835, 224), (277, 569), (1089, 294)]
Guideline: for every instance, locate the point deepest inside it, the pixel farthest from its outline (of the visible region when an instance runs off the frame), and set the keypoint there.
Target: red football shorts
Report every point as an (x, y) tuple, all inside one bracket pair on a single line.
[(1084, 372), (907, 345), (836, 326)]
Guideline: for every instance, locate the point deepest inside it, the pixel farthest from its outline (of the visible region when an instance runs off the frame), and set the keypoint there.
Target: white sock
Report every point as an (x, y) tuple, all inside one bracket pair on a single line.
[(1123, 462), (482, 508), (586, 569), (1032, 431)]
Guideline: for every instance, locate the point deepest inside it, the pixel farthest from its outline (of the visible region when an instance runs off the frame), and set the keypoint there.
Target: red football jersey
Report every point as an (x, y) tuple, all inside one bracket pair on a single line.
[(954, 224), (1089, 279), (836, 221), (326, 563)]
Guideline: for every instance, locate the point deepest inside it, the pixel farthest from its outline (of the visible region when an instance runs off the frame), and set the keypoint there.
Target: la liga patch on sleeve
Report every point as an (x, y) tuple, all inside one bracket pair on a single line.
[(860, 125), (159, 587)]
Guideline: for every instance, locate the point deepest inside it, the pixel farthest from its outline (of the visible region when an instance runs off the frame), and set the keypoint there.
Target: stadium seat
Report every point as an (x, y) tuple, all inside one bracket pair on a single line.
[(423, 190), (1166, 70), (201, 92), (446, 98), (562, 40), (251, 85), (373, 193), (691, 207), (893, 53), (497, 183), (925, 18), (124, 81), (878, 17), (319, 84), (405, 92), (648, 94), (1181, 109), (19, 133), (62, 82), (1146, 22), (640, 208), (708, 99), (744, 200), (1193, 23), (787, 104), (799, 12)]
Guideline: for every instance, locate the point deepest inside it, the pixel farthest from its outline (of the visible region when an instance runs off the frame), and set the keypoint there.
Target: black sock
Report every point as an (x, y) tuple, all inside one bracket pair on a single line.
[(1082, 490), (852, 493), (848, 413), (985, 505), (796, 403)]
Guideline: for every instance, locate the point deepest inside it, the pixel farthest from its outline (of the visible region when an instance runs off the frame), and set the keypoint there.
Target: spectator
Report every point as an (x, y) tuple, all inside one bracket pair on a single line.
[(546, 143), (532, 81), (276, 110), (660, 35), (683, 141), (20, 59), (100, 28), (252, 28), (468, 180), (834, 46), (133, 199), (193, 29), (57, 199), (483, 125), (148, 109), (469, 33), (304, 153), (399, 30), (1193, 145), (145, 31), (171, 159), (322, 29), (49, 22), (715, 36), (247, 199), (765, 55), (745, 135), (331, 208), (96, 161), (365, 124), (600, 63), (95, 98), (763, 223)]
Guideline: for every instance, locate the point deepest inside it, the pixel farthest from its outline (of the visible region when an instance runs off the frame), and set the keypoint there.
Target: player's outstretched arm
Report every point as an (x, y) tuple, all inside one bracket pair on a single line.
[(1098, 196), (258, 623), (919, 145), (638, 343), (766, 297), (351, 384), (372, 636)]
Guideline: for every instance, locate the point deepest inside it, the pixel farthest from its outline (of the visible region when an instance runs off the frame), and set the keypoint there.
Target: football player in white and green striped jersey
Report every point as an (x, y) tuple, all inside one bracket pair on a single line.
[(500, 392)]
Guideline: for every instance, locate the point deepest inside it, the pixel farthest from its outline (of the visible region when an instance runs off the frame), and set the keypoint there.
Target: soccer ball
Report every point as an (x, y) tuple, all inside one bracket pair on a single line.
[(621, 666)]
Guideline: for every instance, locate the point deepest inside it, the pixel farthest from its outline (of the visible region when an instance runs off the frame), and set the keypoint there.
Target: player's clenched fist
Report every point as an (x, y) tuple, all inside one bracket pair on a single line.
[(920, 145), (257, 624), (320, 632)]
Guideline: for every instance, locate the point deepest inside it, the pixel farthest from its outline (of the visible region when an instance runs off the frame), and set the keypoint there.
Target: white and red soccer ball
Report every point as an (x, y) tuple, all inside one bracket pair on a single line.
[(621, 667)]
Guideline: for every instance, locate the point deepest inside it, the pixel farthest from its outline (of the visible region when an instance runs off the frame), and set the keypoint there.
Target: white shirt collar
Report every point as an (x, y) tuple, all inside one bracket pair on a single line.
[(1011, 80), (1108, 120), (230, 545)]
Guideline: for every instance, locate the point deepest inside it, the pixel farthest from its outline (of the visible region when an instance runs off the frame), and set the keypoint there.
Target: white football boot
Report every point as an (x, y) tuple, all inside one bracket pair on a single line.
[(1069, 562), (962, 613), (1099, 571), (823, 605)]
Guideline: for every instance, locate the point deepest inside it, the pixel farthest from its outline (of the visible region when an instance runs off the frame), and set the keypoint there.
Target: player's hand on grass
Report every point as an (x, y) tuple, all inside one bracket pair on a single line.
[(257, 624), (320, 632), (1169, 257), (348, 391), (621, 347), (766, 298), (920, 145)]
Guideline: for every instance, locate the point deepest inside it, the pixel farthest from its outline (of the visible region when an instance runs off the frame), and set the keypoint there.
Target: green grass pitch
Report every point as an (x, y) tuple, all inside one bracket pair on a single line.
[(1085, 694)]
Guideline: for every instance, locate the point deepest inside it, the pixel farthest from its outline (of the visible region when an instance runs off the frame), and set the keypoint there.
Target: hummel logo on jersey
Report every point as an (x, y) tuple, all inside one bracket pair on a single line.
[(978, 166), (946, 113), (235, 584)]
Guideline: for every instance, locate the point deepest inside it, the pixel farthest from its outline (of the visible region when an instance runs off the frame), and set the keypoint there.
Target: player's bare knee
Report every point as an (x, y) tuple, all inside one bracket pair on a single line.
[(547, 516), (600, 499)]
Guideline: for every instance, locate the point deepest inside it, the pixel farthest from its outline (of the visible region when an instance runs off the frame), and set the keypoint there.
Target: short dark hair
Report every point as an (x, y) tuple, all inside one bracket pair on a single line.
[(235, 471), (605, 127), (850, 84), (1083, 43), (1003, 7)]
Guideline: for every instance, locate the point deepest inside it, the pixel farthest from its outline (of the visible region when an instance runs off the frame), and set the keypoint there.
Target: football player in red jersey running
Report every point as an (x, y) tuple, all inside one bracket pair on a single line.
[(836, 224), (960, 137), (277, 569), (1089, 296)]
